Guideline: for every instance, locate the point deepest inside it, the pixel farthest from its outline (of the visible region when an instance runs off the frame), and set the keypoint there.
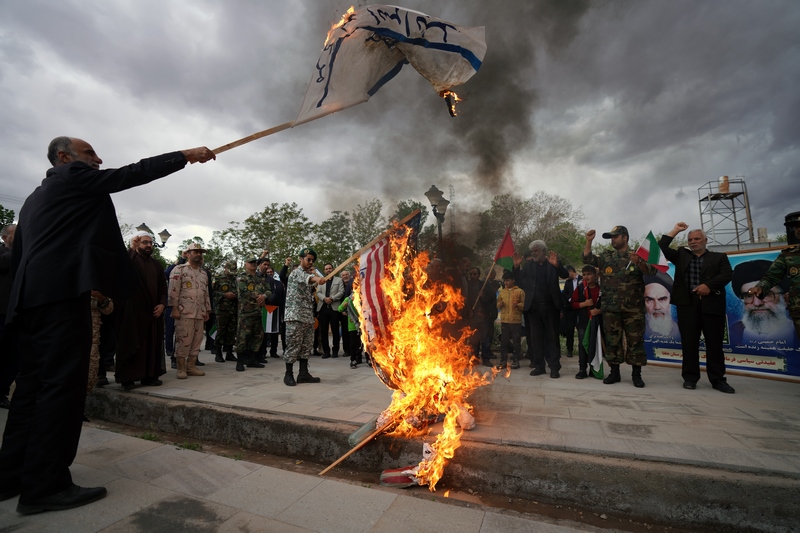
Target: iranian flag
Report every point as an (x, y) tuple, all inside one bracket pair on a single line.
[(650, 252), (504, 256)]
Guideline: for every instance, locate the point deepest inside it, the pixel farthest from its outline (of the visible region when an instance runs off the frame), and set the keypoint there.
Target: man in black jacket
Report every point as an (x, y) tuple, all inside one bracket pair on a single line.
[(69, 219), (539, 279), (699, 295)]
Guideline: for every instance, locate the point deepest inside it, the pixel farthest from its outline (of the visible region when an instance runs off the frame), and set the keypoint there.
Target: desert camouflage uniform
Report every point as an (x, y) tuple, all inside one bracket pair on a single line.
[(251, 331), (98, 309), (299, 316), (188, 293), (622, 305), (787, 264), (226, 309)]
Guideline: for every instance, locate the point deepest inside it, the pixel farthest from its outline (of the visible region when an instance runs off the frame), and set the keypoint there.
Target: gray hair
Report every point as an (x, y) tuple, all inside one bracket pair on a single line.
[(701, 232), (537, 244), (6, 230), (59, 144)]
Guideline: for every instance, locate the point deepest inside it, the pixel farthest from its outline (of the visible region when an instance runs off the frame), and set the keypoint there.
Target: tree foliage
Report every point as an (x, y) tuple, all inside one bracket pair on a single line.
[(6, 216), (333, 239), (367, 222)]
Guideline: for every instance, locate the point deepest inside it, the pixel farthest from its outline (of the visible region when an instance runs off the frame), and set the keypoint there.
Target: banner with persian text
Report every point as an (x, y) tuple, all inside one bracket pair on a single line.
[(759, 336)]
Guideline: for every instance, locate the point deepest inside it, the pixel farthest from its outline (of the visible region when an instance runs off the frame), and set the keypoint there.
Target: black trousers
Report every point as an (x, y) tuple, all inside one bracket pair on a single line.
[(46, 415), (9, 355), (691, 322), (329, 318), (543, 327), (568, 323)]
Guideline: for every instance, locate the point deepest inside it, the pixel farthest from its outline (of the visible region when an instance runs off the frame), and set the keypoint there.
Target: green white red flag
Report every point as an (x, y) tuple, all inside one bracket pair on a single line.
[(651, 252), (505, 254)]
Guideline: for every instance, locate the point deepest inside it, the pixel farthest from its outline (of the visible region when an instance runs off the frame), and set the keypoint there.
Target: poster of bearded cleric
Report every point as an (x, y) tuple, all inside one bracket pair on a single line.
[(759, 338)]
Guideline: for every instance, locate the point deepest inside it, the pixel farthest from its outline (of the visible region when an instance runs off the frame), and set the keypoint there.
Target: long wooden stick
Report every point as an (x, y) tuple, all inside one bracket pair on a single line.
[(356, 447), (368, 245), (253, 137), (484, 283)]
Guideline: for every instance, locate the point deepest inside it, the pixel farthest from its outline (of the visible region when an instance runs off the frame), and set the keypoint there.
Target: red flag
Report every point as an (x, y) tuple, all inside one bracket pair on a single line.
[(505, 254)]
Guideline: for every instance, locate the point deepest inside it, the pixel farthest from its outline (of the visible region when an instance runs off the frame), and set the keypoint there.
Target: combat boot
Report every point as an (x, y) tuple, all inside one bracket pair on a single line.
[(303, 376), (613, 376), (180, 362), (191, 368), (240, 362), (229, 353), (637, 377), (218, 355), (288, 378), (252, 360)]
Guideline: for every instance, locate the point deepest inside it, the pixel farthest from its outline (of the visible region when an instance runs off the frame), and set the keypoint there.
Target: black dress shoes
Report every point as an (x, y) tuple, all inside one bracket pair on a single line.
[(74, 496), (689, 385), (554, 374), (723, 386), (538, 371)]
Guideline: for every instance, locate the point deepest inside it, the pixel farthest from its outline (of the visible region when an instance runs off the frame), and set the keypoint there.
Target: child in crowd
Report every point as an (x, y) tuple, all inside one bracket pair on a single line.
[(510, 302), (586, 299)]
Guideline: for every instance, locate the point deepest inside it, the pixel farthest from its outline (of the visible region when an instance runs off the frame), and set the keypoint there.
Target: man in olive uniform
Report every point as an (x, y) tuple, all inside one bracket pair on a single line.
[(226, 306), (191, 307), (622, 279), (300, 289), (787, 264), (252, 293)]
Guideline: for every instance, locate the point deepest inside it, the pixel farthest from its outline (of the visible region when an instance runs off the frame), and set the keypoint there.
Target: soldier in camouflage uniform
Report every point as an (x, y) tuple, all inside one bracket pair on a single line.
[(226, 306), (787, 264), (253, 293), (188, 298), (622, 279), (299, 317), (100, 306)]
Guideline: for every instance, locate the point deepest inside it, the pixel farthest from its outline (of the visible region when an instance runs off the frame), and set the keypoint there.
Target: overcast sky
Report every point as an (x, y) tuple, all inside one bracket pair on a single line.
[(623, 107)]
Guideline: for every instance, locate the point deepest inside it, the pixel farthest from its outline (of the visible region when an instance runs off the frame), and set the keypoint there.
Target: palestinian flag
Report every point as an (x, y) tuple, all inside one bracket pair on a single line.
[(504, 256), (650, 252), (213, 331), (268, 318)]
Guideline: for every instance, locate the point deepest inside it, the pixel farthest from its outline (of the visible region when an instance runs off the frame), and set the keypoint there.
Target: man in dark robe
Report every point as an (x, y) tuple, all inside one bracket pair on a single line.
[(140, 340)]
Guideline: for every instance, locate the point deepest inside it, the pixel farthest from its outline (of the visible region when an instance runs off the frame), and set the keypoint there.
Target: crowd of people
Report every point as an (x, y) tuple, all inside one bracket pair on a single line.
[(115, 308)]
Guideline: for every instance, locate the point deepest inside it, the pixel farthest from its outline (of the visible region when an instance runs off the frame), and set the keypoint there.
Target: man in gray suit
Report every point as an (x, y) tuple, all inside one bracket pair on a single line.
[(329, 296)]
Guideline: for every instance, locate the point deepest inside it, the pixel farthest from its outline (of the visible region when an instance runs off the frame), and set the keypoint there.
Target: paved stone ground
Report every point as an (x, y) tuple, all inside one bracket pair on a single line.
[(157, 487)]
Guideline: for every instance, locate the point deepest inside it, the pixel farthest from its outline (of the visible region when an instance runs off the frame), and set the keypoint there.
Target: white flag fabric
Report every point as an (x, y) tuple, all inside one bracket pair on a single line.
[(371, 46)]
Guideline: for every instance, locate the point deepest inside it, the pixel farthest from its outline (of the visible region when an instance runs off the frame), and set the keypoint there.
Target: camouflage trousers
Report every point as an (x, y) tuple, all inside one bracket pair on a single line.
[(250, 334), (627, 324), (94, 354), (227, 324), (189, 335), (299, 340)]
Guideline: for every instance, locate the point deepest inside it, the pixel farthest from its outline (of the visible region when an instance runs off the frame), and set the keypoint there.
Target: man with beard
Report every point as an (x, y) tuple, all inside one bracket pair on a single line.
[(622, 279), (764, 317), (329, 298), (191, 306), (698, 293), (658, 317), (140, 320), (67, 244)]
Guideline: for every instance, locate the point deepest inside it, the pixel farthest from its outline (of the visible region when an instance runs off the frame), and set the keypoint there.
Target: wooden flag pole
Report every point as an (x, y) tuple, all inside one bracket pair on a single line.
[(485, 281), (368, 245), (356, 448), (253, 137)]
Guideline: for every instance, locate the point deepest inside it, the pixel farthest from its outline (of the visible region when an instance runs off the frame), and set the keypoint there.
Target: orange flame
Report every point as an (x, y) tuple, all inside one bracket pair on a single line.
[(344, 20), (451, 99), (431, 371)]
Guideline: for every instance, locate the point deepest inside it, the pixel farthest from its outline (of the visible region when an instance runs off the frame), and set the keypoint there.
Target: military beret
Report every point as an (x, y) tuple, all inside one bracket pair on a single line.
[(307, 251), (252, 260), (616, 230), (792, 219), (195, 247)]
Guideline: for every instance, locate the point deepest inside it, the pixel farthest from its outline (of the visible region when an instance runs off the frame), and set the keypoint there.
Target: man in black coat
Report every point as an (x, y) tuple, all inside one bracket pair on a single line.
[(698, 292), (68, 221), (539, 279)]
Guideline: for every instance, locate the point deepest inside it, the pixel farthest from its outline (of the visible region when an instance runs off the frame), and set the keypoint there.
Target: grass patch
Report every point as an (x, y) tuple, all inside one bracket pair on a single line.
[(190, 446), (150, 436)]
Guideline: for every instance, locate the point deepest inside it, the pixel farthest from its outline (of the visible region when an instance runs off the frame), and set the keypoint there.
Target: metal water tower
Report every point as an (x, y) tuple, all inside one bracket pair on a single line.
[(725, 212)]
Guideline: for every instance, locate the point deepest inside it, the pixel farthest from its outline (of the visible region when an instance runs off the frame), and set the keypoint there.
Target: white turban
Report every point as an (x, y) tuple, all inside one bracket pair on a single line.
[(144, 234)]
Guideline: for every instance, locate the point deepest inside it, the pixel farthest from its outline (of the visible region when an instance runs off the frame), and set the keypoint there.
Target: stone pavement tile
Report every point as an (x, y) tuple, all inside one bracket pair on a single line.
[(569, 401), (667, 407), (776, 413), (253, 523), (752, 428), (627, 430), (498, 405), (484, 416), (91, 436), (614, 403), (298, 409), (335, 414), (265, 492), (415, 514), (176, 514), (669, 452), (774, 462), (485, 433), (545, 439), (527, 422), (637, 415), (494, 522), (154, 463), (589, 428), (107, 453), (205, 476), (595, 413), (770, 444), (545, 410), (598, 445), (338, 507), (702, 437), (364, 417)]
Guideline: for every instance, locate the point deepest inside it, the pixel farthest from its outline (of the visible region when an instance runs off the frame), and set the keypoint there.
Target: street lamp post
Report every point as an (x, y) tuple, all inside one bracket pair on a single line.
[(439, 204), (164, 235)]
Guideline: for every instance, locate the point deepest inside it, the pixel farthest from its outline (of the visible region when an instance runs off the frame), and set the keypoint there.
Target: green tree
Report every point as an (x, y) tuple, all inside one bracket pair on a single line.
[(6, 216), (333, 240), (406, 207), (367, 222)]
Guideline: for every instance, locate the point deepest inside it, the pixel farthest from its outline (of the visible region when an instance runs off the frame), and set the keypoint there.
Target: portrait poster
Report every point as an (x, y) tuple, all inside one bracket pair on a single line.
[(759, 336)]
